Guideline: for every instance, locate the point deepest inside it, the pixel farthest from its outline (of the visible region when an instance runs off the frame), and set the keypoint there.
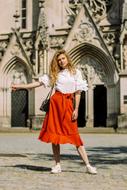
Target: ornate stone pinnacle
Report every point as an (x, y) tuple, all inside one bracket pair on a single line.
[(41, 2)]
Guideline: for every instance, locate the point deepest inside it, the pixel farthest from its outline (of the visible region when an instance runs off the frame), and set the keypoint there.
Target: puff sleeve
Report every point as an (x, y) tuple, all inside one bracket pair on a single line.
[(44, 80), (80, 84)]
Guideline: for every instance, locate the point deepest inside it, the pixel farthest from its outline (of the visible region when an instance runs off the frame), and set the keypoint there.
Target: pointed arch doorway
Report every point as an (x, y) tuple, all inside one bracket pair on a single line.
[(15, 103)]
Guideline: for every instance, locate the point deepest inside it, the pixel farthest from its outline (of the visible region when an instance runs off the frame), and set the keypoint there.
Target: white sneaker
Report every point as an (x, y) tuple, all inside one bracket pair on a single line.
[(56, 169), (91, 170)]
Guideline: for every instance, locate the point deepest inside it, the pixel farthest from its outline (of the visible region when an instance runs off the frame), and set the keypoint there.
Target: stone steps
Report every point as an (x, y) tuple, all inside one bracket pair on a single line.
[(81, 130)]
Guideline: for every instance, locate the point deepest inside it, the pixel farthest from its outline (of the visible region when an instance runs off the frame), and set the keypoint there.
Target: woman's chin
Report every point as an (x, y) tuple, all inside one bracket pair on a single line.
[(62, 68)]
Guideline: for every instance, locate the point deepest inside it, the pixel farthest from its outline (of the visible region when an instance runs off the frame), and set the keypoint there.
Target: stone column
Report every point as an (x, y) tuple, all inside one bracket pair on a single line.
[(112, 105), (123, 93), (45, 60), (37, 65), (122, 118), (90, 111)]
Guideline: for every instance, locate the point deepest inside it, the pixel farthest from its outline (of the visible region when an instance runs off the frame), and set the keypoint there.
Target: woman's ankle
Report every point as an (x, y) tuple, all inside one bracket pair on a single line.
[(87, 165), (58, 164)]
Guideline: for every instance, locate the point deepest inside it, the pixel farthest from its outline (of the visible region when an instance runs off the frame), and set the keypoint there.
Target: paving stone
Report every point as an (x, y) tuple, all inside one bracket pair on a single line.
[(25, 163)]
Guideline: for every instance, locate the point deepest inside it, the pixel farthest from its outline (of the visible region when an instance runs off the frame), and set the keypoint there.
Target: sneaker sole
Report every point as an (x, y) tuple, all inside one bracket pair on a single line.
[(55, 172), (91, 173)]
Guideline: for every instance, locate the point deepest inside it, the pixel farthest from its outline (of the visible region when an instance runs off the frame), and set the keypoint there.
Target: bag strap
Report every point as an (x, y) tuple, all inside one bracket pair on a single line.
[(50, 92)]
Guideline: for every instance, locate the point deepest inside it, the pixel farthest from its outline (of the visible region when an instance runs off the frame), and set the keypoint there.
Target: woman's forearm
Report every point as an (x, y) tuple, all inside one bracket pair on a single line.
[(77, 100), (26, 86)]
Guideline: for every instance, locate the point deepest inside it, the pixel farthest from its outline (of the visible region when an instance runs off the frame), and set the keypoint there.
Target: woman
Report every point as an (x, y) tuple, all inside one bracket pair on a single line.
[(60, 123)]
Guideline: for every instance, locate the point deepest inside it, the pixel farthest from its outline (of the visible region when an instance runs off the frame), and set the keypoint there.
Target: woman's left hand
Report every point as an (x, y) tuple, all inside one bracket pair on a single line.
[(75, 114)]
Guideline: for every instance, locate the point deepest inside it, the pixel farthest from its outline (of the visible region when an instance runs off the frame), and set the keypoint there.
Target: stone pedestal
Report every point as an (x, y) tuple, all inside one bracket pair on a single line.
[(112, 120), (89, 123), (5, 122), (35, 122), (122, 121)]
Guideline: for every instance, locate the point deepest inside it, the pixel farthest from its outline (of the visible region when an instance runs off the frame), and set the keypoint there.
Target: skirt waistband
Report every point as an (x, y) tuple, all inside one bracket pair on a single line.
[(67, 95)]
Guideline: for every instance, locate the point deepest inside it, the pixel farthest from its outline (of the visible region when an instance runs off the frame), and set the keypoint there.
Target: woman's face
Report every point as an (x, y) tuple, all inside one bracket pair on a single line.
[(62, 61)]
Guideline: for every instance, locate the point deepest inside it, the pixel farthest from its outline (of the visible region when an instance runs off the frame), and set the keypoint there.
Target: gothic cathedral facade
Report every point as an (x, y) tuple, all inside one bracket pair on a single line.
[(93, 32)]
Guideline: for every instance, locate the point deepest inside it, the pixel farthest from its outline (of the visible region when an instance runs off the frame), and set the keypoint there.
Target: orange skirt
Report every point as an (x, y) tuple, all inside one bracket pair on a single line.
[(58, 127)]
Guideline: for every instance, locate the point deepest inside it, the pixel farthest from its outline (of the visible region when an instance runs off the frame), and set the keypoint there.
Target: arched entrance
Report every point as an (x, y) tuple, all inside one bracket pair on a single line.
[(100, 70), (14, 109), (100, 106), (19, 109)]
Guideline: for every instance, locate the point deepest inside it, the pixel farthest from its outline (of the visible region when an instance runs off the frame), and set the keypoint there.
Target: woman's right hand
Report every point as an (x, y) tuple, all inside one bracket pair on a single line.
[(14, 87)]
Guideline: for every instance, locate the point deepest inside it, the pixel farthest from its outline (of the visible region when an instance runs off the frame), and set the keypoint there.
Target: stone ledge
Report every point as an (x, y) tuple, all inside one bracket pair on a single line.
[(81, 130), (97, 130), (14, 130)]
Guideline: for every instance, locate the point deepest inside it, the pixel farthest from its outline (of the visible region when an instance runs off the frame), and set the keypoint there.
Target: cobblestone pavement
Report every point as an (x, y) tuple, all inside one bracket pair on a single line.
[(25, 163)]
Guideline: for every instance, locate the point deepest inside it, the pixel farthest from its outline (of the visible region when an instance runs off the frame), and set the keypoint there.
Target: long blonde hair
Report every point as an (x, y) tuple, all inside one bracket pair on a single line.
[(55, 68)]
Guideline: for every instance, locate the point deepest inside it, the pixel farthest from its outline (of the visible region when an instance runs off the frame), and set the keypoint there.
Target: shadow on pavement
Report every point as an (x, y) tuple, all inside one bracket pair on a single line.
[(104, 157), (42, 169), (108, 155), (97, 155), (31, 167)]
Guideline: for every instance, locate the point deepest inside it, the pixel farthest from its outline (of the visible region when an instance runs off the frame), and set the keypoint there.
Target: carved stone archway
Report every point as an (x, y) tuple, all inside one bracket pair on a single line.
[(104, 60), (101, 65), (14, 71)]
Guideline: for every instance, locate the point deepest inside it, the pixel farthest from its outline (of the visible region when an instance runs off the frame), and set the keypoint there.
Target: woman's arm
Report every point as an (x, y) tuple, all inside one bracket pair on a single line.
[(26, 86), (77, 101)]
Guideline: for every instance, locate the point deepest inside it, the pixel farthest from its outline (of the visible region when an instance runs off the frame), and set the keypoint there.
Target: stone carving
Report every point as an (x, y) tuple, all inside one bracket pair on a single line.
[(111, 40), (57, 41), (16, 49), (109, 37), (41, 60), (99, 8), (3, 47), (91, 70), (3, 44), (86, 32), (43, 28), (72, 10), (28, 46), (18, 76)]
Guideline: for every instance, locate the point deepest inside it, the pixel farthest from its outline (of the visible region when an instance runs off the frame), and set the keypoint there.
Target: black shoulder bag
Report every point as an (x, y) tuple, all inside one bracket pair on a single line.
[(45, 104)]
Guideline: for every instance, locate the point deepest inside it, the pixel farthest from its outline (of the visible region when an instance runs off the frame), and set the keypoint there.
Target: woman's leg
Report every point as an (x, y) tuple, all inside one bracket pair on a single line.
[(81, 150), (56, 153)]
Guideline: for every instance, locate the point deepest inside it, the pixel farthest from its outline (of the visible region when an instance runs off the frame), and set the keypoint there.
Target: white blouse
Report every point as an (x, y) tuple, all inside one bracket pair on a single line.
[(66, 82)]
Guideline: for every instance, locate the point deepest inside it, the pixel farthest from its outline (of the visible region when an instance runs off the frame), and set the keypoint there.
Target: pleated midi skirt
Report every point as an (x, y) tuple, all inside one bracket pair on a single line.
[(58, 127)]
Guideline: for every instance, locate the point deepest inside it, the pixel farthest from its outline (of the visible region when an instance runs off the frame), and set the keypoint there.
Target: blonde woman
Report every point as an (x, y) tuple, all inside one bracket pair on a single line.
[(60, 123)]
